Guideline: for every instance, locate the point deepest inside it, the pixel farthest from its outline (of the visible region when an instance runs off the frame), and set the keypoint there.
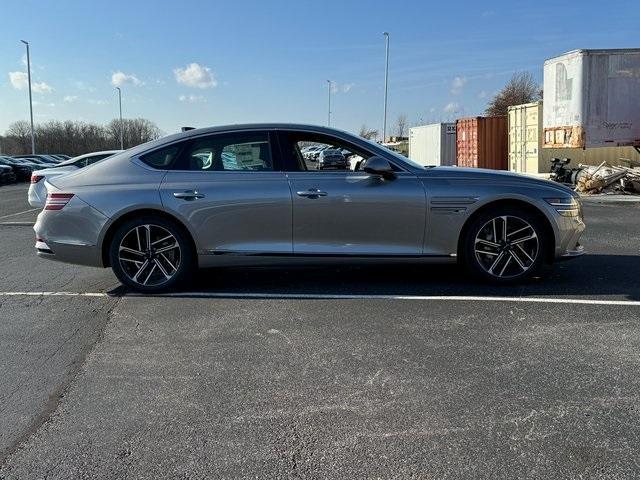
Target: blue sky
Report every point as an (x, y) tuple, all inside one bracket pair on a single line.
[(205, 63)]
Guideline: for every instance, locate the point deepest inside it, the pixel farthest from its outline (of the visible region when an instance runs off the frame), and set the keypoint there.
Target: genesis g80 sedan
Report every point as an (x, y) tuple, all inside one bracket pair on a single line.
[(244, 195)]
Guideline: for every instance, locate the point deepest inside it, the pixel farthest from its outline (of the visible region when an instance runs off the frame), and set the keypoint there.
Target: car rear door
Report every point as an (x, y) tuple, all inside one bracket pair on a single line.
[(229, 189), (346, 212)]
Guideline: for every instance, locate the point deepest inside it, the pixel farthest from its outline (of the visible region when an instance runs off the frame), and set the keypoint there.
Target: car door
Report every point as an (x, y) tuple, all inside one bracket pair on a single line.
[(346, 212), (229, 189)]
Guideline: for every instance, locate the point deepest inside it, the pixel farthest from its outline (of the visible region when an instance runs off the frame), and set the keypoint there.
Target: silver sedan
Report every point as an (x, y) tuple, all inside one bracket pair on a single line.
[(243, 195)]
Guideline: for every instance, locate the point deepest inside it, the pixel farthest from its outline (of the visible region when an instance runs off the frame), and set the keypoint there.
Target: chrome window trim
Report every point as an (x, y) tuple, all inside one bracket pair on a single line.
[(365, 146)]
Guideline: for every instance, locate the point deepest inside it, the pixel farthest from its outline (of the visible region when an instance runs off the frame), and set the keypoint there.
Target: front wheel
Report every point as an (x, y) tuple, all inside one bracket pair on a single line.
[(505, 246), (150, 254)]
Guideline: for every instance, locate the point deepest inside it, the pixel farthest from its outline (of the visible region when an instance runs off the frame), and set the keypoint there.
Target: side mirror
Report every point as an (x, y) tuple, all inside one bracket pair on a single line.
[(379, 166)]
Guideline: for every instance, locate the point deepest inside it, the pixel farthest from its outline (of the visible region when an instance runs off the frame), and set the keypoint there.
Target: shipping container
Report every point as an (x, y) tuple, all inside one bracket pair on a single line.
[(526, 154), (482, 142), (525, 135), (592, 99), (433, 144)]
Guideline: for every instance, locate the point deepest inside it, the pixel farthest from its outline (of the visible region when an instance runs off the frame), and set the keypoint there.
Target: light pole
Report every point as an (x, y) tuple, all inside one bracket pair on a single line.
[(386, 81), (121, 124), (329, 105), (33, 138)]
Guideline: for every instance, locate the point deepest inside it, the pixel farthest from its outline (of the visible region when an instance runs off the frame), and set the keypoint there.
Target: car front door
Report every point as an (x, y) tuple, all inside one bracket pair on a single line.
[(345, 212), (230, 190)]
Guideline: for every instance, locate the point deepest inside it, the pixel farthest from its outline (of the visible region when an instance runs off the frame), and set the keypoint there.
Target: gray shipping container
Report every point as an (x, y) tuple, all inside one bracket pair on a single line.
[(433, 144)]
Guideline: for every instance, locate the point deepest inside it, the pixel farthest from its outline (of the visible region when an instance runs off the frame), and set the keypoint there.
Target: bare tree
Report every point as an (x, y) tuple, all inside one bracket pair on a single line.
[(368, 133), (136, 131), (76, 138), (19, 137), (521, 88), (401, 125)]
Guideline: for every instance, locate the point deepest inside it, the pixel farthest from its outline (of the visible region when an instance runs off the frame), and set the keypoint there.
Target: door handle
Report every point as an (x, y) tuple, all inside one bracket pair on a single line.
[(311, 193), (188, 195)]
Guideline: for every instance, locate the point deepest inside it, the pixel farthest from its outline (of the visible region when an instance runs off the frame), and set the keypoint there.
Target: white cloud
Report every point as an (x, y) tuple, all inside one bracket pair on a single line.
[(119, 79), (97, 102), (70, 98), (334, 87), (483, 94), (457, 85), (451, 107), (192, 98), (195, 75), (20, 81), (40, 87), (80, 85), (44, 104), (347, 86)]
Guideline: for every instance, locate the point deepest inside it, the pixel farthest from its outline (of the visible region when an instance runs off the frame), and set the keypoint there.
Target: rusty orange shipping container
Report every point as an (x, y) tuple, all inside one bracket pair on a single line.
[(481, 142)]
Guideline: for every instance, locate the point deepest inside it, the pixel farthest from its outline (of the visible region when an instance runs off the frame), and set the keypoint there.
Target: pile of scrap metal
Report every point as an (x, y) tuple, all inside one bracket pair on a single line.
[(601, 179)]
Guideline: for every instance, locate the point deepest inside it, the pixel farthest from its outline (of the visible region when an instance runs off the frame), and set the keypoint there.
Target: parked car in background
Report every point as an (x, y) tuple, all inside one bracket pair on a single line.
[(6, 175), (21, 171), (157, 211), (61, 156), (332, 158), (37, 191), (46, 159)]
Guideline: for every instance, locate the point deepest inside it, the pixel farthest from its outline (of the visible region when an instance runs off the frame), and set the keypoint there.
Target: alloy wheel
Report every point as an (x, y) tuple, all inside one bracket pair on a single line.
[(506, 246), (149, 255)]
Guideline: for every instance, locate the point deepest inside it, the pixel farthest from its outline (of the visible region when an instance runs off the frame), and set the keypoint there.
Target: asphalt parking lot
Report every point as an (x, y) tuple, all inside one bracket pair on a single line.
[(337, 372)]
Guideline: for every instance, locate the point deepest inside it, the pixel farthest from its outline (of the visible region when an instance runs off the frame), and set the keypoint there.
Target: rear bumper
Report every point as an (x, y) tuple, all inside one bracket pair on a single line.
[(71, 234), (37, 194)]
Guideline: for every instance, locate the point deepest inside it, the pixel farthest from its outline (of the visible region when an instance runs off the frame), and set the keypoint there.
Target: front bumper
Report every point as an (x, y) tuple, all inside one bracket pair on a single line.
[(578, 251)]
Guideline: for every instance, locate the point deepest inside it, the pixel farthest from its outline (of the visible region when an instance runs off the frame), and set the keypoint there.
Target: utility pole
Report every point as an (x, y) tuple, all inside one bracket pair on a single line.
[(33, 138), (386, 82), (121, 124), (329, 103)]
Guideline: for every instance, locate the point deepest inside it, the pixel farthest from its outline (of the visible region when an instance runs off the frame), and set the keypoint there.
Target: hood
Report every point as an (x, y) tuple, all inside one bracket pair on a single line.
[(494, 176)]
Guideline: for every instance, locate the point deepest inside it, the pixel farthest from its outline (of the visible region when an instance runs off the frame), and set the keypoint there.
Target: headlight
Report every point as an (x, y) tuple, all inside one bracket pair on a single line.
[(565, 206)]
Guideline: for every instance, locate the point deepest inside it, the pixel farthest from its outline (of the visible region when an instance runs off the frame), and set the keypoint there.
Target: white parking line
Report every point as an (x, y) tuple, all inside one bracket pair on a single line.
[(19, 213), (18, 224), (312, 296)]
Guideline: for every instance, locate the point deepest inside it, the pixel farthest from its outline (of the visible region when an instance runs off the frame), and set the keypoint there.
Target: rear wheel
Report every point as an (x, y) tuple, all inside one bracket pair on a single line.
[(506, 245), (150, 254)]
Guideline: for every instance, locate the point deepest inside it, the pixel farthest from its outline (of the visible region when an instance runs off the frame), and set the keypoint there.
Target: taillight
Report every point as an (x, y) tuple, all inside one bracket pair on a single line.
[(57, 201), (36, 178)]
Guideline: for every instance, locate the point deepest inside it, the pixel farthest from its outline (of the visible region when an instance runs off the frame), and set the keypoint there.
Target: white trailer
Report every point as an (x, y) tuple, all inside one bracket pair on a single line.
[(592, 99), (433, 144)]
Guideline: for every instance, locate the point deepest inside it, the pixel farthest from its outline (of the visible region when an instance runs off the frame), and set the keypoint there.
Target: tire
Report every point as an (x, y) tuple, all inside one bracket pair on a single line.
[(499, 257), (165, 265)]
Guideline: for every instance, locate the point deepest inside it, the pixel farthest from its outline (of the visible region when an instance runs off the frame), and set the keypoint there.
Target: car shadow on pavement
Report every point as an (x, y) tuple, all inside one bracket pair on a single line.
[(586, 277)]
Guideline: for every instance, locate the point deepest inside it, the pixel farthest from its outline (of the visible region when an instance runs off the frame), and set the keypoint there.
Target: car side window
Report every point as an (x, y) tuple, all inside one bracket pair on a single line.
[(307, 151), (228, 152)]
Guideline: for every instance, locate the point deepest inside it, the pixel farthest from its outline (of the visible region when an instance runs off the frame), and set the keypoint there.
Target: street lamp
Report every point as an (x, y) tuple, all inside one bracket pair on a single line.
[(386, 81), (329, 105), (121, 124), (33, 138)]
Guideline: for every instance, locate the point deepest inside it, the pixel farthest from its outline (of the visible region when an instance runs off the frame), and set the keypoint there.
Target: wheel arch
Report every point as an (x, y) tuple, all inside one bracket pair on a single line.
[(125, 217), (550, 234)]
